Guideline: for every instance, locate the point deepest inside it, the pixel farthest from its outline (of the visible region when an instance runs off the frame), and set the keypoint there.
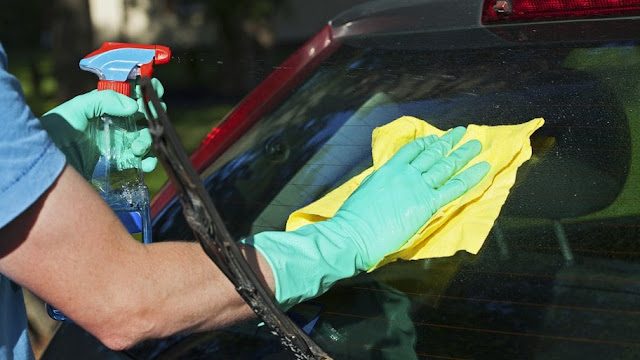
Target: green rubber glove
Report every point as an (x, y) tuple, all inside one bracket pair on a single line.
[(386, 210), (67, 125)]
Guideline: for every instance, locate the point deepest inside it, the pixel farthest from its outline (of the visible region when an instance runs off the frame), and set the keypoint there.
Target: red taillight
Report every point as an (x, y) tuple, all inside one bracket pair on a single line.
[(499, 11)]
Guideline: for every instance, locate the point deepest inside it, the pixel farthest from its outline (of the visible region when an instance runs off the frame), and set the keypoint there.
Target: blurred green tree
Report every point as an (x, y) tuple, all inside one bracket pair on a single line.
[(244, 29), (22, 27), (62, 29), (71, 36)]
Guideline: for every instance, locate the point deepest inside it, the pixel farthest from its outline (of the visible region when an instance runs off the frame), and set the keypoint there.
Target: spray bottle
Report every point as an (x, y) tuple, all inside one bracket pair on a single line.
[(120, 181)]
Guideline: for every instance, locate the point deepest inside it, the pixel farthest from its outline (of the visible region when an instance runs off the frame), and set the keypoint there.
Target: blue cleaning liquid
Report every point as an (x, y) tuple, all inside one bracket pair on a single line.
[(131, 205), (122, 189)]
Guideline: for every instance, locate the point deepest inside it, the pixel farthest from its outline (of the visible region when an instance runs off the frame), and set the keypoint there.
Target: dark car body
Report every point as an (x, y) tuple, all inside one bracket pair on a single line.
[(559, 275)]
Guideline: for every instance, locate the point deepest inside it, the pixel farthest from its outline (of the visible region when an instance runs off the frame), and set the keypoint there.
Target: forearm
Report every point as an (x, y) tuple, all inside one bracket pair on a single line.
[(172, 287), (71, 250), (187, 291)]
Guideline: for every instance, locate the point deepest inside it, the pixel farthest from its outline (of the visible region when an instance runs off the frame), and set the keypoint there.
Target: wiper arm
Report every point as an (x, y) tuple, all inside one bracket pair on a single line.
[(207, 225)]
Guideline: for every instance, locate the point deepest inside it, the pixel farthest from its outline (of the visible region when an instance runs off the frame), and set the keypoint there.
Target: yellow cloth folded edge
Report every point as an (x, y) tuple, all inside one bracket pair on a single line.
[(464, 223)]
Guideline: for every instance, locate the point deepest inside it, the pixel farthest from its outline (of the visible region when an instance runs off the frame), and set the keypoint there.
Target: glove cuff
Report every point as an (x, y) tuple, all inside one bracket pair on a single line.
[(307, 261)]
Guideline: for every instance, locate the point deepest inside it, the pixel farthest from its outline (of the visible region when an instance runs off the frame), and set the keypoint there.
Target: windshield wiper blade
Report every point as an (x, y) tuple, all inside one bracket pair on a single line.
[(209, 229)]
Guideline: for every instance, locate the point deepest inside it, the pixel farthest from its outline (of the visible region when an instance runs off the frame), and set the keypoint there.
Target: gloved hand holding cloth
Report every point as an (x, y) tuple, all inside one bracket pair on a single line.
[(68, 125), (460, 225), (380, 216)]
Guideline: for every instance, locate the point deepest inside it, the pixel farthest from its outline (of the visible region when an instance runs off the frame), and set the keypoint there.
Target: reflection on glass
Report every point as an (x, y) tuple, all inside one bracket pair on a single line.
[(558, 277)]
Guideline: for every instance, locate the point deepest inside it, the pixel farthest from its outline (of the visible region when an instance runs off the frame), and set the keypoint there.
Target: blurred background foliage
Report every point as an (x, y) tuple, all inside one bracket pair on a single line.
[(221, 49)]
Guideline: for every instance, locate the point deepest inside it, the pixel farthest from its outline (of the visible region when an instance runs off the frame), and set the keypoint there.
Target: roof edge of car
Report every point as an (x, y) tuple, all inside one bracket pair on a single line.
[(381, 16)]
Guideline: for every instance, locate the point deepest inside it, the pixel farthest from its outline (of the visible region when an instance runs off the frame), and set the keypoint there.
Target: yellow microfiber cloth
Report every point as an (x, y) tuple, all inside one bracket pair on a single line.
[(464, 223)]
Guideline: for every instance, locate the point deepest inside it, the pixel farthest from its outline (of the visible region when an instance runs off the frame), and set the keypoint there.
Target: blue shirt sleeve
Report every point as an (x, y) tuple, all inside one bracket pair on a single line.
[(29, 161), (14, 337), (29, 164)]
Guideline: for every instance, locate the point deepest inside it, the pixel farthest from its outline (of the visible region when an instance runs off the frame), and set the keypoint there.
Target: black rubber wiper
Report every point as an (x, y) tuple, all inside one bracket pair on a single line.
[(207, 225)]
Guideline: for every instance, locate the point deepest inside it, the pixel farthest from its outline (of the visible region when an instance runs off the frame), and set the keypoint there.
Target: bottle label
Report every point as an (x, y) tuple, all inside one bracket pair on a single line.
[(132, 220)]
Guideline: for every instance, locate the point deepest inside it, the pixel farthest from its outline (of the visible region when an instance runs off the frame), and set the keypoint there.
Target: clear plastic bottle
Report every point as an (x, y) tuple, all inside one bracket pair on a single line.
[(118, 176)]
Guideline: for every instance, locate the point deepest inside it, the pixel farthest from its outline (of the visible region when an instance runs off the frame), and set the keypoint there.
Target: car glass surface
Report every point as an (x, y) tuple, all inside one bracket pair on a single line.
[(557, 276)]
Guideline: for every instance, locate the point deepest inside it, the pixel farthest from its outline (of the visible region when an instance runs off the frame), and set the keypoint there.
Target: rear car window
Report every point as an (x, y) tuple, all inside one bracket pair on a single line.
[(559, 274)]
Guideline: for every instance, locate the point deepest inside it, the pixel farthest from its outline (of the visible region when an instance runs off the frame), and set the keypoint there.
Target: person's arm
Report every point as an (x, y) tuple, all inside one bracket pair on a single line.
[(72, 251)]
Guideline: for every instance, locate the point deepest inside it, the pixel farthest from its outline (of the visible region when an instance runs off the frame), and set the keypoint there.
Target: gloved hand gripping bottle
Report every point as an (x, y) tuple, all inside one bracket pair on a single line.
[(118, 176)]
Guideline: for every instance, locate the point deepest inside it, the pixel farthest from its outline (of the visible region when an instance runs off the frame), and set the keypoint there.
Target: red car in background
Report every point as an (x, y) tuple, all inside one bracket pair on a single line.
[(559, 275)]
